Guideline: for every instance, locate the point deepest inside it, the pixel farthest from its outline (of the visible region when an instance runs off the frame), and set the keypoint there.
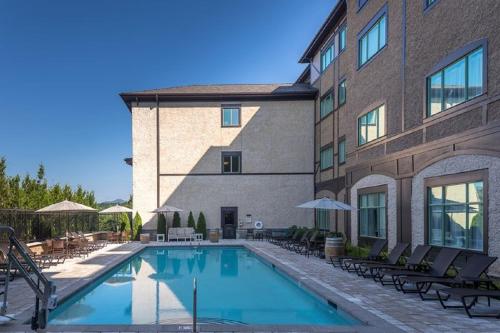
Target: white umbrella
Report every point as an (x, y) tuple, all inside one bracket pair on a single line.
[(325, 203), (116, 209), (167, 209), (66, 206)]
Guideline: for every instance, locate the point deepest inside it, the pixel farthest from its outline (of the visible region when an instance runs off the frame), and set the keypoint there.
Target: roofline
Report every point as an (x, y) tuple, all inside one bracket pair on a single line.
[(304, 75), (337, 13), (128, 98)]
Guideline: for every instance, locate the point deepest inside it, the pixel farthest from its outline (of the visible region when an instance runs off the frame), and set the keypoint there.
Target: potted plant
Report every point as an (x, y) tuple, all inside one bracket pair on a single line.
[(334, 245)]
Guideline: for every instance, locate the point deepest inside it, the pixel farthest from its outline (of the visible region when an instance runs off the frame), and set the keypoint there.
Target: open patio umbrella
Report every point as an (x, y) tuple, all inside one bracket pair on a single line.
[(326, 203), (116, 210), (167, 209)]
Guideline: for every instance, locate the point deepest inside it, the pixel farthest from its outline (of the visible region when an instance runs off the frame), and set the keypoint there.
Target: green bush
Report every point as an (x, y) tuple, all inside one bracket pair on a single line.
[(176, 223), (191, 223), (162, 225), (137, 226), (201, 226)]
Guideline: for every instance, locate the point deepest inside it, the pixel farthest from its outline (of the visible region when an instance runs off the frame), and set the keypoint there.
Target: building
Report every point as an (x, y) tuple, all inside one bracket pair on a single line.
[(237, 153), (406, 121)]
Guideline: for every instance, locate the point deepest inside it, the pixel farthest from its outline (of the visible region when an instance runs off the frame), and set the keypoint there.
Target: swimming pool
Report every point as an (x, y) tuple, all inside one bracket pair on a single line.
[(235, 286)]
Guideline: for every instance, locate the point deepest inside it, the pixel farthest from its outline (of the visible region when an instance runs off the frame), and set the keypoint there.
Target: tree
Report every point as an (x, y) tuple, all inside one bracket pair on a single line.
[(4, 186), (162, 225), (124, 223), (176, 223), (137, 226), (191, 223), (201, 226)]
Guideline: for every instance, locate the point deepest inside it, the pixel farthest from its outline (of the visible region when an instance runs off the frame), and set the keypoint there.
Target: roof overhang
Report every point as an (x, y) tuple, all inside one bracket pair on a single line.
[(333, 19)]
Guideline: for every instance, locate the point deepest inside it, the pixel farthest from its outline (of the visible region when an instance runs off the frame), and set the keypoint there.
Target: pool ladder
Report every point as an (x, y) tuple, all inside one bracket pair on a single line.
[(195, 303)]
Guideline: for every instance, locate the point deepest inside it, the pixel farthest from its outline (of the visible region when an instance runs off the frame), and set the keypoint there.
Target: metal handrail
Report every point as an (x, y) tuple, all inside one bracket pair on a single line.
[(195, 303), (43, 288)]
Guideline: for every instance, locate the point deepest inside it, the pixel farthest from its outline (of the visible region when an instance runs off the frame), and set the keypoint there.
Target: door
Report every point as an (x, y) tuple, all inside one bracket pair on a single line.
[(229, 221)]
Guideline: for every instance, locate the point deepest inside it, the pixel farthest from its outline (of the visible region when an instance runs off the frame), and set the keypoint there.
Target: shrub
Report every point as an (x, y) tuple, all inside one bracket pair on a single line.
[(124, 223), (191, 223), (177, 220), (162, 225), (137, 226), (201, 226)]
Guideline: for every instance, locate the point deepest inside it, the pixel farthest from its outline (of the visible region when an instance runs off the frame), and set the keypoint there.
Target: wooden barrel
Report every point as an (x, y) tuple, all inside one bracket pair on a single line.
[(213, 235), (334, 247)]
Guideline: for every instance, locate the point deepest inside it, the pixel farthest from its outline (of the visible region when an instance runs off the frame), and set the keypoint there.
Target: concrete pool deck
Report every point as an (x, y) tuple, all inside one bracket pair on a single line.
[(382, 309)]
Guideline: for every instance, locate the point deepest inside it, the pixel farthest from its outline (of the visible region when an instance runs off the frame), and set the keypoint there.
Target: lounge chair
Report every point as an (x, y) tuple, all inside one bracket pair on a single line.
[(392, 259), (476, 265), (295, 244), (438, 268), (464, 294), (55, 249), (295, 237), (413, 263), (345, 262), (303, 246), (278, 237)]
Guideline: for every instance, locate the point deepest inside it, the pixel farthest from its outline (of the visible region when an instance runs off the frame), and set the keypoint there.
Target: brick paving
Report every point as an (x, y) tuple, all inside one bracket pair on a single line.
[(375, 305)]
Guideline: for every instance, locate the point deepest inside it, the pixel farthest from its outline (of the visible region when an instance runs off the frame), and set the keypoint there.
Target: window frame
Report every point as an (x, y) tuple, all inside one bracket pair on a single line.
[(343, 28), (457, 179), (316, 224), (330, 93), (447, 61), (231, 154), (343, 81), (329, 45), (230, 106), (378, 124), (342, 139), (324, 148), (373, 190), (368, 27)]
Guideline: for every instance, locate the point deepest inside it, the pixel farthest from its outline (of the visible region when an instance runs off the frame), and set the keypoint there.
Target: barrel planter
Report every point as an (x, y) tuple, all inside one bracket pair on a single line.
[(334, 247), (213, 235), (145, 238)]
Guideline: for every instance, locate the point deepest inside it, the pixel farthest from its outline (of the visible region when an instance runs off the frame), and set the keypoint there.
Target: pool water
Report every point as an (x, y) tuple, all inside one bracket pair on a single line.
[(234, 286)]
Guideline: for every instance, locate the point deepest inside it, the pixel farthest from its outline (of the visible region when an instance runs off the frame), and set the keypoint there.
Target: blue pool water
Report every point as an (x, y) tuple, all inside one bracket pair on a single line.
[(234, 286)]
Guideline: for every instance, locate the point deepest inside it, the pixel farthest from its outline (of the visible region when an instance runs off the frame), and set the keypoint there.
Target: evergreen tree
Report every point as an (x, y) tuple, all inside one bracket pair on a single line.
[(176, 223), (162, 225), (201, 226), (191, 222), (4, 185), (137, 226)]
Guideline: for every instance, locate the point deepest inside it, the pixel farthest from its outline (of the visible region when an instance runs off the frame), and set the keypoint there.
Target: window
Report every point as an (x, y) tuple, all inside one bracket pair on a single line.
[(326, 158), (230, 116), (342, 93), (428, 3), (231, 162), (372, 215), (322, 219), (326, 105), (456, 83), (373, 40), (327, 56), (371, 126), (455, 215), (342, 38), (342, 152)]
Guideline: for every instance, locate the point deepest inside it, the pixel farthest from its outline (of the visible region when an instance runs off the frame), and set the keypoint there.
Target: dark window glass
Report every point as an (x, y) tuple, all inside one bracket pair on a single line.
[(342, 152), (372, 215), (323, 219), (342, 93), (372, 41), (326, 158), (371, 126), (326, 105), (342, 38), (231, 162)]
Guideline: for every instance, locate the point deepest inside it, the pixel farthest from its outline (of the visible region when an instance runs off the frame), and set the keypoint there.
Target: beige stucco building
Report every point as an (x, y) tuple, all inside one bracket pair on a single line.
[(237, 153)]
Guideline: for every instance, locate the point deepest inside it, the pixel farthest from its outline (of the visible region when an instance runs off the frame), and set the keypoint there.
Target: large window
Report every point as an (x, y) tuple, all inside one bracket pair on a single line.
[(323, 219), (456, 83), (342, 152), (371, 126), (230, 116), (372, 215), (326, 158), (342, 93), (373, 40), (342, 38), (455, 215), (231, 162), (326, 105), (327, 56)]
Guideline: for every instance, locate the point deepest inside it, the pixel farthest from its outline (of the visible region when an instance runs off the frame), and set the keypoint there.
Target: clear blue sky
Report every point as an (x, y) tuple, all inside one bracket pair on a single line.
[(63, 63)]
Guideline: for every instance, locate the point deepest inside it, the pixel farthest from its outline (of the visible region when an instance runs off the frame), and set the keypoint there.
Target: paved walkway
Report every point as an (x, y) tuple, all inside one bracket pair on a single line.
[(406, 312)]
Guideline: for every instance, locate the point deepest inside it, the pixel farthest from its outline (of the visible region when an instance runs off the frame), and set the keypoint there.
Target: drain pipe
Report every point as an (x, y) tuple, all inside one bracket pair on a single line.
[(195, 287)]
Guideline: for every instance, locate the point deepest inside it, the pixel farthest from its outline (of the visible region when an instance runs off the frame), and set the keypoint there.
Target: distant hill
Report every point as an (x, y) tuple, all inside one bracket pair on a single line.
[(106, 204)]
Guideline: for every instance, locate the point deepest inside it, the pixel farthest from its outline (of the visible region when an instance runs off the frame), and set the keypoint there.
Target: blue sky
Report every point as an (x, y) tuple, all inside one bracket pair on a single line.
[(63, 63)]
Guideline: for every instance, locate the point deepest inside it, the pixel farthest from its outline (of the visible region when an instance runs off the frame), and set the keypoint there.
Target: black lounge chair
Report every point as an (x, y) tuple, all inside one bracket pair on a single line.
[(303, 246), (438, 268), (465, 294), (374, 254), (294, 246), (392, 259), (289, 240), (414, 263), (476, 265)]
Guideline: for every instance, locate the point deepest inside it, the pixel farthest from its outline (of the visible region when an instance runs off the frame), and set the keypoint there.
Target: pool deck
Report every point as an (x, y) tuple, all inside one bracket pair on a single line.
[(382, 309)]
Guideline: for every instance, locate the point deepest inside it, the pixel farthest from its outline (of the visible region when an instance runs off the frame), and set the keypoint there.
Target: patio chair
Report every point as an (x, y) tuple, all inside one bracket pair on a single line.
[(438, 268), (346, 262), (476, 265), (295, 236), (297, 242), (304, 247), (56, 251), (172, 234), (392, 259), (413, 263), (472, 295)]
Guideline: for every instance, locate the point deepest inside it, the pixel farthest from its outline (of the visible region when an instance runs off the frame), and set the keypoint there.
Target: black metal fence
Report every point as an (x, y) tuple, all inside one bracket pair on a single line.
[(31, 226)]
